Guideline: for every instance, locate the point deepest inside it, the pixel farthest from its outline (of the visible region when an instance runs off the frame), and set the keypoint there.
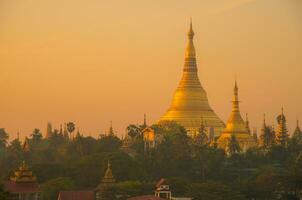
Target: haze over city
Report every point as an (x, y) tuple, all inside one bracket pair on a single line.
[(79, 61)]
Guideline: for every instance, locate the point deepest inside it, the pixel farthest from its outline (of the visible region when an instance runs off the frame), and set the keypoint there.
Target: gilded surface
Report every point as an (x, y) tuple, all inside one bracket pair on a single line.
[(190, 102), (23, 175), (236, 126)]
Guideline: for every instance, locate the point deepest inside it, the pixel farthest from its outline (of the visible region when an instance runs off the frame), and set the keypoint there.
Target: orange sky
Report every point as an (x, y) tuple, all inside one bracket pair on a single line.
[(95, 61)]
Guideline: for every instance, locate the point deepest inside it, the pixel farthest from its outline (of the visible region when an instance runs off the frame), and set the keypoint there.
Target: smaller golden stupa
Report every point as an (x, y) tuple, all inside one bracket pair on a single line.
[(236, 126), (108, 178), (23, 175)]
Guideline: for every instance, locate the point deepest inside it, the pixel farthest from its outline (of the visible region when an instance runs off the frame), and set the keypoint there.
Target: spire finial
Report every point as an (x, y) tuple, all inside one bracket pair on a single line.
[(108, 164), (111, 132), (282, 111), (191, 32), (145, 120), (246, 117), (236, 86), (235, 98), (264, 123)]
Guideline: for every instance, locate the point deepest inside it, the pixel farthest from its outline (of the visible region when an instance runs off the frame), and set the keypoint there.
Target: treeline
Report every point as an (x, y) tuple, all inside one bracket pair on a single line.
[(194, 167)]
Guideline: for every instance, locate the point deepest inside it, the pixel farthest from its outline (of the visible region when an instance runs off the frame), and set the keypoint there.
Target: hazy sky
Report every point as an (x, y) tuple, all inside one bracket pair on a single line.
[(95, 61)]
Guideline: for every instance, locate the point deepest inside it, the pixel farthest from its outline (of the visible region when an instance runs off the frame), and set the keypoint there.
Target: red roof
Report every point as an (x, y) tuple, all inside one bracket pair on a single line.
[(146, 197), (76, 195), (21, 188), (162, 182)]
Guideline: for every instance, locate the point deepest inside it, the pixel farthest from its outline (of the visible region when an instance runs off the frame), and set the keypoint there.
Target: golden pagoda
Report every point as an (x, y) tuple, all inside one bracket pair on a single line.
[(103, 190), (236, 126), (190, 102), (23, 185), (23, 175)]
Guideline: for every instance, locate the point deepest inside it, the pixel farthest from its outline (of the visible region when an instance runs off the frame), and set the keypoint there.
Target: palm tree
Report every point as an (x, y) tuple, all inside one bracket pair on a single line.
[(233, 146), (70, 127), (133, 130), (36, 135)]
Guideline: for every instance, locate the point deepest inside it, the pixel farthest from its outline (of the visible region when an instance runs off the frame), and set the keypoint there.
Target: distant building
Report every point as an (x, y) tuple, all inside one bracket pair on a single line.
[(23, 185), (162, 192), (163, 189), (281, 136), (101, 192)]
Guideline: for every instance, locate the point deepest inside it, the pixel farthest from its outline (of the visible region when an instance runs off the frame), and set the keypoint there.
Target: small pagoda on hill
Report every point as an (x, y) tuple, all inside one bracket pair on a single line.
[(103, 190), (23, 184)]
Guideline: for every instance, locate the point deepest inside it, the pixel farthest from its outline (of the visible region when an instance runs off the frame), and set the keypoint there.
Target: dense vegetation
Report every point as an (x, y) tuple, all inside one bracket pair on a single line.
[(194, 167)]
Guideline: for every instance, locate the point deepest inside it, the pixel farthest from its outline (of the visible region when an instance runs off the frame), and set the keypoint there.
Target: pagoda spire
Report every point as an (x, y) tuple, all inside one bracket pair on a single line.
[(190, 55), (235, 98), (282, 132), (108, 177), (247, 123), (190, 99), (297, 131), (264, 122), (145, 120), (111, 132)]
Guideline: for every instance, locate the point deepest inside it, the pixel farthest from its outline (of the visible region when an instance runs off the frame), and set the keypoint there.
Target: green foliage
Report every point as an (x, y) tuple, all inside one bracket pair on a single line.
[(3, 138), (3, 194), (212, 190), (133, 130), (70, 127), (51, 188), (267, 138), (192, 168), (36, 136), (128, 189), (233, 146), (109, 143)]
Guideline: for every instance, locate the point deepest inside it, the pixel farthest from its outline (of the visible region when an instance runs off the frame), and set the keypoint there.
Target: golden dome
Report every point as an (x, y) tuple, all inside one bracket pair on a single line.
[(190, 102)]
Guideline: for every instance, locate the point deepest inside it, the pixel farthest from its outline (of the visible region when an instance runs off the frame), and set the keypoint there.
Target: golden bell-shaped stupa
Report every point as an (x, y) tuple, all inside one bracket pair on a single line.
[(237, 127), (190, 103)]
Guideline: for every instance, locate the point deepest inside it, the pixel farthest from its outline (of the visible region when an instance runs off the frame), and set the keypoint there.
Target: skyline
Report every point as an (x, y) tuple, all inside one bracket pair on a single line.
[(42, 59)]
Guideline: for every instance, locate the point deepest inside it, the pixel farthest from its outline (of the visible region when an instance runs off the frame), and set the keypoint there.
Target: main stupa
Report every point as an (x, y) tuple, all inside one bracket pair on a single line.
[(190, 106)]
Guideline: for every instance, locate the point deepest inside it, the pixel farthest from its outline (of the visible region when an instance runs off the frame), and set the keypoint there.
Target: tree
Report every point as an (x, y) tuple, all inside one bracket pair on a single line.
[(15, 153), (212, 190), (292, 179), (36, 136), (51, 188), (109, 143), (233, 146), (264, 185), (133, 130), (56, 139), (3, 194), (3, 138), (201, 138), (267, 137), (70, 127)]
